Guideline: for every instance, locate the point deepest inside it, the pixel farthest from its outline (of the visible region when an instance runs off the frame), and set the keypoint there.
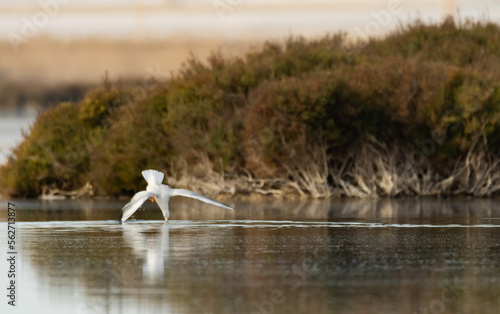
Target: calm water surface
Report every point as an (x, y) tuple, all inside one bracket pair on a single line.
[(389, 256), (11, 124)]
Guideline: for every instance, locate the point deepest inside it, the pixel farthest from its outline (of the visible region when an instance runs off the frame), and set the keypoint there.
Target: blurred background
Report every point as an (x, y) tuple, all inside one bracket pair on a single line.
[(55, 50)]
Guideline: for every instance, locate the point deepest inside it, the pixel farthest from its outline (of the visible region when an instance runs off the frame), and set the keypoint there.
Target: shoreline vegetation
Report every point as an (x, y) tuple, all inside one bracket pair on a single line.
[(415, 113)]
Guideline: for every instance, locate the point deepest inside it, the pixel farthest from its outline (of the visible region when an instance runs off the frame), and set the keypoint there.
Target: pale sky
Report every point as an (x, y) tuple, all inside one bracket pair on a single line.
[(228, 18)]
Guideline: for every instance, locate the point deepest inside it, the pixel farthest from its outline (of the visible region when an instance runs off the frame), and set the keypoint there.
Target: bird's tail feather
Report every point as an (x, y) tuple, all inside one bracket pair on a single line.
[(153, 176)]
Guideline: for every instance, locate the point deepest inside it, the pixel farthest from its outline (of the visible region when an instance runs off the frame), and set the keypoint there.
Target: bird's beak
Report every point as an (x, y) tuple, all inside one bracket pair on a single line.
[(152, 199)]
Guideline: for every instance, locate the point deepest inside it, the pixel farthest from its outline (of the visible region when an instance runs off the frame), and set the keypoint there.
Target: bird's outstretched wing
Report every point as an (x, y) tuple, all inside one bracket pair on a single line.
[(187, 193), (135, 203)]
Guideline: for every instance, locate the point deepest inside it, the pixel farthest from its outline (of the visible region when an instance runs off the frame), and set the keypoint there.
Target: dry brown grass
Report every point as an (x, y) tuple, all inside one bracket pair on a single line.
[(47, 70), (370, 173), (53, 61)]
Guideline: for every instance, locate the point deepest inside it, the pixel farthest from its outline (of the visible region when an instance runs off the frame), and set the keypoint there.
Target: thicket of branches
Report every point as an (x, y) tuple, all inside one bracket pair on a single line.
[(414, 113)]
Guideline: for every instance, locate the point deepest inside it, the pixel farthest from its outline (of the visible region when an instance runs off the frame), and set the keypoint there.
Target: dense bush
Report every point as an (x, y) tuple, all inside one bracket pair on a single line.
[(429, 88)]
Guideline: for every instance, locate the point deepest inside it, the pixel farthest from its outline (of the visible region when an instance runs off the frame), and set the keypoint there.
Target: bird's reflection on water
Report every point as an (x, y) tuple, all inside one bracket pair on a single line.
[(151, 244)]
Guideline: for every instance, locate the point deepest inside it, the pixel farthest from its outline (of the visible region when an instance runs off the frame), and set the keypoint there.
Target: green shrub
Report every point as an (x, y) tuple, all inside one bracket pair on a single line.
[(433, 88)]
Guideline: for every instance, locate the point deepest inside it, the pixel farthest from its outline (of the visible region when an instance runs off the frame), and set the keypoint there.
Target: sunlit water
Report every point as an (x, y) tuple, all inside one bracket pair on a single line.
[(390, 256), (11, 126)]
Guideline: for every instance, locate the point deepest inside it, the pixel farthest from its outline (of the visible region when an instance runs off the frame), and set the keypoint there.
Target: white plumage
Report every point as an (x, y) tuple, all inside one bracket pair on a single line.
[(153, 176), (161, 194)]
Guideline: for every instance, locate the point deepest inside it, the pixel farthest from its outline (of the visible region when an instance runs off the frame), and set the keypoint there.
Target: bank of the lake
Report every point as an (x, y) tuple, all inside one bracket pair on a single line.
[(414, 113)]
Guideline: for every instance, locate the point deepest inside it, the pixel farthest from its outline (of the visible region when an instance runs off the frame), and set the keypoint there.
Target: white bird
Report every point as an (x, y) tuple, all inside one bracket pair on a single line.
[(161, 193)]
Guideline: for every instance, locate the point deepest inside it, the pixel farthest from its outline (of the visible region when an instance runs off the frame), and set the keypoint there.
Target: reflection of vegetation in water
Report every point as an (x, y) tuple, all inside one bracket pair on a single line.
[(415, 113), (218, 268), (133, 263)]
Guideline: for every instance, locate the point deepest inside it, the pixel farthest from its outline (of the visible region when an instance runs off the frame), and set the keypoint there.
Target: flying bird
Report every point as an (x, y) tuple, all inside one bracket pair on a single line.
[(161, 193)]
